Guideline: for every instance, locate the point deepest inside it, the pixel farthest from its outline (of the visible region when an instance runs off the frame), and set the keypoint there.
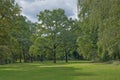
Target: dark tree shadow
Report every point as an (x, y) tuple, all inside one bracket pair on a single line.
[(74, 62), (42, 72), (66, 73)]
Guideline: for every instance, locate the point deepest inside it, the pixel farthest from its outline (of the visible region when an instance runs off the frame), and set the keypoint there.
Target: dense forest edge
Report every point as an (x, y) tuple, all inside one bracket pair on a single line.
[(94, 36)]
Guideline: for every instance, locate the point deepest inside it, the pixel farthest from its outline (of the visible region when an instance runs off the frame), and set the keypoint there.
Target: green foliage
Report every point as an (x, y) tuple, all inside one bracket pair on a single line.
[(68, 38), (96, 35), (48, 31), (99, 22), (110, 30), (14, 30), (22, 33), (55, 33), (8, 11), (4, 54)]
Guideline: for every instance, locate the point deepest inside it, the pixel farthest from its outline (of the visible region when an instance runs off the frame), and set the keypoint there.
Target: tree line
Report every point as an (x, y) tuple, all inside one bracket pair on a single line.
[(94, 36), (100, 26)]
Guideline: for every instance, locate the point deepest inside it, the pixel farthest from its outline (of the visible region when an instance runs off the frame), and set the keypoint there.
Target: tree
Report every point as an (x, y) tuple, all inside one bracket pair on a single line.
[(8, 11), (52, 23), (67, 43), (22, 33), (68, 38), (99, 23), (109, 30), (88, 38)]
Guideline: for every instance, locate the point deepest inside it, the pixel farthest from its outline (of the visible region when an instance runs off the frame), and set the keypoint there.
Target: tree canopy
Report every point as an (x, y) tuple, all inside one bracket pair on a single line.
[(95, 35), (100, 28)]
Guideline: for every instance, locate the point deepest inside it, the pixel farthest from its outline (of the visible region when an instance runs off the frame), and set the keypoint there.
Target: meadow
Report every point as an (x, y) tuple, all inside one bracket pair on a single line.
[(74, 70)]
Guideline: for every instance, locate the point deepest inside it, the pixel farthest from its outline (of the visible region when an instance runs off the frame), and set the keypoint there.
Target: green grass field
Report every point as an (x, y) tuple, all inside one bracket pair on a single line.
[(60, 71)]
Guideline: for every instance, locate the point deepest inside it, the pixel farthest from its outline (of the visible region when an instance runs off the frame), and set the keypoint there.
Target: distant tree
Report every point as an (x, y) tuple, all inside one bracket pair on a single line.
[(68, 38), (22, 33), (49, 29)]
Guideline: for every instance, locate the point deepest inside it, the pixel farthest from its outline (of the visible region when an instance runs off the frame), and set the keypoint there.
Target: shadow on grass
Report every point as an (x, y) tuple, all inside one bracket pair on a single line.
[(38, 72), (74, 62), (84, 74), (62, 73)]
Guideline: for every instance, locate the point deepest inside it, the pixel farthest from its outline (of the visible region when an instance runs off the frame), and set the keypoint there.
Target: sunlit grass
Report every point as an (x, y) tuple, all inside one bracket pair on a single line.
[(74, 70)]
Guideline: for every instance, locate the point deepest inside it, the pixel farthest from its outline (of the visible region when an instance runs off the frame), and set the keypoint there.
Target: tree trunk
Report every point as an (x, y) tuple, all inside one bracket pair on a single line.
[(31, 58), (41, 58), (54, 57), (0, 60), (66, 56), (24, 56), (54, 54), (20, 57)]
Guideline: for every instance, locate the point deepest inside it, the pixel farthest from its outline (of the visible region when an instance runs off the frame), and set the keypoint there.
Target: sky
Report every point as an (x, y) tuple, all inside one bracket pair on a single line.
[(31, 8)]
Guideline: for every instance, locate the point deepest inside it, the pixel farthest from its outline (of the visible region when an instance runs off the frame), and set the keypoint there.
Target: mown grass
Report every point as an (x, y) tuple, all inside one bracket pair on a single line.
[(75, 70)]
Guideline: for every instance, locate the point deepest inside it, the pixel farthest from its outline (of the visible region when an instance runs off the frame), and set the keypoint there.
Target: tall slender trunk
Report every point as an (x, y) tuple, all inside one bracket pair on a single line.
[(31, 58), (54, 54), (66, 56), (1, 60), (41, 58), (54, 57), (24, 56), (20, 57)]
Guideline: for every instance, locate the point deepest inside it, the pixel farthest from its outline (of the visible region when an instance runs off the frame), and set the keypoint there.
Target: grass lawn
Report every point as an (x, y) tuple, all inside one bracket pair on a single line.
[(60, 71)]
